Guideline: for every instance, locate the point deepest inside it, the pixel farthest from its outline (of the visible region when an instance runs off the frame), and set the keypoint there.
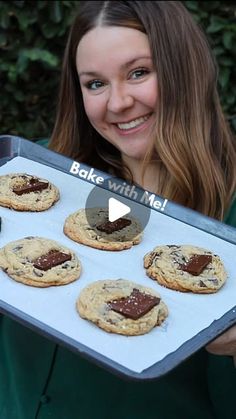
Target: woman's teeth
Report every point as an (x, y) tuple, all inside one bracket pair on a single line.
[(134, 123)]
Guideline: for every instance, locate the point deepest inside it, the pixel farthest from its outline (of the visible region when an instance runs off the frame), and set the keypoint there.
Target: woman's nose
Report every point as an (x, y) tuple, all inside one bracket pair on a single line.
[(119, 99)]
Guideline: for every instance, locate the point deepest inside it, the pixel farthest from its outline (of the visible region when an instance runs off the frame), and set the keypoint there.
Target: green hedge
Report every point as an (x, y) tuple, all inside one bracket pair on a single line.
[(32, 41)]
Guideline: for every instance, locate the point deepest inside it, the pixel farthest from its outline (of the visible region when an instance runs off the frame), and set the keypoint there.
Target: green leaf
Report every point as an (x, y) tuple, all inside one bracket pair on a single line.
[(218, 50), (35, 54), (49, 30), (224, 77), (22, 63), (192, 5), (23, 21), (228, 40), (216, 24), (230, 99), (12, 75), (56, 14)]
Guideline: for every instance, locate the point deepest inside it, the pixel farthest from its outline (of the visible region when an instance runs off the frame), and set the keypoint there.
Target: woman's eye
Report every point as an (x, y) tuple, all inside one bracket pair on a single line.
[(137, 74), (94, 84)]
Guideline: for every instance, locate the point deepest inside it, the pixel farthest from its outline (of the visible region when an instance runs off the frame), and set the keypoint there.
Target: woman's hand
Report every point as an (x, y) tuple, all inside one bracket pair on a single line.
[(225, 344)]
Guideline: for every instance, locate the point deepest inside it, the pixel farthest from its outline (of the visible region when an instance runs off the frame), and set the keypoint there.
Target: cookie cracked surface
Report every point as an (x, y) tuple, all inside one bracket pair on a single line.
[(39, 262), (97, 302), (99, 233), (186, 268), (24, 192)]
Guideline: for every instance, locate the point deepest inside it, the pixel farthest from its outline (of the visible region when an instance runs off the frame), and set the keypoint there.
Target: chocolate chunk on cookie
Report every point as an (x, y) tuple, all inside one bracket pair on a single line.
[(109, 227), (196, 264), (31, 185), (135, 305), (51, 259)]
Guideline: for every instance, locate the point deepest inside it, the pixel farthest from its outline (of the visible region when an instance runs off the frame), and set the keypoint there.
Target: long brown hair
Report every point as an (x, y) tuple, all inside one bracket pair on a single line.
[(195, 149)]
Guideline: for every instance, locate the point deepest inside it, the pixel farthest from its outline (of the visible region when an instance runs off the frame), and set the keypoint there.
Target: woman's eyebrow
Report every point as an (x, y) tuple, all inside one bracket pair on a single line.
[(88, 73), (133, 61), (123, 66)]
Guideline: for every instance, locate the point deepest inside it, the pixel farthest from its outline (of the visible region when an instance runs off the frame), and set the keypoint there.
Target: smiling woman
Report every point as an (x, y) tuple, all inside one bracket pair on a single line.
[(119, 88), (119, 100)]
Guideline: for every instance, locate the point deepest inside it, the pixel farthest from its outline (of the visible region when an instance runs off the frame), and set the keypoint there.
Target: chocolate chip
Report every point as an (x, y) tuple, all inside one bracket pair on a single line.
[(196, 264), (202, 284), (51, 259), (134, 306), (112, 321), (65, 266), (36, 273), (109, 227), (17, 248), (149, 261), (155, 255), (31, 185)]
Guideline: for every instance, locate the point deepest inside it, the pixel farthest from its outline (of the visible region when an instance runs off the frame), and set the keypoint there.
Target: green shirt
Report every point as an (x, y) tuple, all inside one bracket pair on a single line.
[(41, 380)]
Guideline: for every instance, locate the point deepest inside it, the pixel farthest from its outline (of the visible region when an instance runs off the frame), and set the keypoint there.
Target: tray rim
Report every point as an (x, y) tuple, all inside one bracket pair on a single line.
[(18, 146)]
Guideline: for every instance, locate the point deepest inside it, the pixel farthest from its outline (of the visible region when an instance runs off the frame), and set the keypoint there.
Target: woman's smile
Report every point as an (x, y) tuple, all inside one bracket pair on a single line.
[(133, 125)]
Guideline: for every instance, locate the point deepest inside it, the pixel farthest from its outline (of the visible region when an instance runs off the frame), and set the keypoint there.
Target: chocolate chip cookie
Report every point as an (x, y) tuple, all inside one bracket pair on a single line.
[(24, 192), (39, 262), (121, 306), (185, 268), (99, 232)]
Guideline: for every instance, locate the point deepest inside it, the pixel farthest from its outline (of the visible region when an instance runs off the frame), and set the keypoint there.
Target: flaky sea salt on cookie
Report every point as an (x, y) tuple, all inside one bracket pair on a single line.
[(121, 306), (39, 262), (24, 192), (186, 268), (92, 228)]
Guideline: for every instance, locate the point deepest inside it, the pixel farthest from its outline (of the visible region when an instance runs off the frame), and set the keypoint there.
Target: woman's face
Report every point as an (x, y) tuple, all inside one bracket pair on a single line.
[(119, 87)]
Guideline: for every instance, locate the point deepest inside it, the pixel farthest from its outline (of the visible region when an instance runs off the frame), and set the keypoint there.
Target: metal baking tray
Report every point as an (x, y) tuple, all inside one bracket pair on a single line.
[(11, 147)]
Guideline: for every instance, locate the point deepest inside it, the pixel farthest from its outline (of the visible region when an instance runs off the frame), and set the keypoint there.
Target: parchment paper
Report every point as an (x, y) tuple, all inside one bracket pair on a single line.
[(55, 306)]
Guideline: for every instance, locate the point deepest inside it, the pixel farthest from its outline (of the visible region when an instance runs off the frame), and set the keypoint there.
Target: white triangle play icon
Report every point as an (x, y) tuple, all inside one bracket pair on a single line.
[(116, 209)]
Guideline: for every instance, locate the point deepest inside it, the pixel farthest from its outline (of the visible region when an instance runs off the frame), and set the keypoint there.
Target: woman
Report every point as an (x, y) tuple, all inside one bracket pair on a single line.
[(138, 99)]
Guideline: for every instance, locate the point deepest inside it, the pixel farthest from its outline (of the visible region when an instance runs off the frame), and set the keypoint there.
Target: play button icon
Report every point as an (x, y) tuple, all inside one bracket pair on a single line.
[(116, 209)]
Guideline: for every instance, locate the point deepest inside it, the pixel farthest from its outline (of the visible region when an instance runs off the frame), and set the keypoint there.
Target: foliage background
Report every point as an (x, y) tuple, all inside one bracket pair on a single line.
[(32, 40)]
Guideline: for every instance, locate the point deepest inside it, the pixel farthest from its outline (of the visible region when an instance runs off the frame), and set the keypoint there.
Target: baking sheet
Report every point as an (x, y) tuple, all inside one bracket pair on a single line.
[(54, 307)]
